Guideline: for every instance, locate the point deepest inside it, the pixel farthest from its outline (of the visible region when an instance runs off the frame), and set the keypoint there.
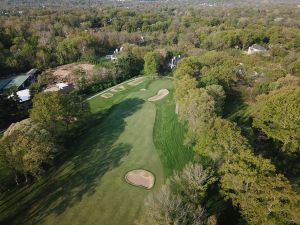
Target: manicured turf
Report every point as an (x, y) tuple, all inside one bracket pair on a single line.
[(88, 186), (169, 135)]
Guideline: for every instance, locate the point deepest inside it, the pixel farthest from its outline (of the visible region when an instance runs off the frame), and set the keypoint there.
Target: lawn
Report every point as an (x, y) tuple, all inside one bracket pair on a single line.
[(87, 186), (169, 136)]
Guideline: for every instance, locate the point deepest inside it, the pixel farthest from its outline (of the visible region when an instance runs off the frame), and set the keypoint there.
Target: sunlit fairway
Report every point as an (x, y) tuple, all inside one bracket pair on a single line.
[(87, 186)]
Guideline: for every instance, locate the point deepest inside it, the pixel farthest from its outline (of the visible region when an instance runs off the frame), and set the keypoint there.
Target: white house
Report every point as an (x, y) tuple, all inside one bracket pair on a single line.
[(114, 55), (174, 61), (24, 95), (256, 49)]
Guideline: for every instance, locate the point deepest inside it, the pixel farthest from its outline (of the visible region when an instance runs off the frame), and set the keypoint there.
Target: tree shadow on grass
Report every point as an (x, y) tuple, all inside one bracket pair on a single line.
[(78, 173)]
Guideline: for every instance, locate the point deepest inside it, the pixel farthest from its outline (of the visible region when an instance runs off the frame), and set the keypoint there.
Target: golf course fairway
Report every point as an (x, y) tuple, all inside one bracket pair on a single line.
[(87, 186)]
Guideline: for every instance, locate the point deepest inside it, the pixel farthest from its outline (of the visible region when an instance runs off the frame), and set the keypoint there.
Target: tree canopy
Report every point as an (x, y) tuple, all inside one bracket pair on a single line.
[(153, 62), (58, 112), (278, 115), (263, 196), (25, 147)]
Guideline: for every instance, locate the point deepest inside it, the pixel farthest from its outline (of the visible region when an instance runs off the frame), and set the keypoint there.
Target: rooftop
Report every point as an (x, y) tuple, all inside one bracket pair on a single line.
[(3, 83), (13, 81), (24, 95), (17, 81)]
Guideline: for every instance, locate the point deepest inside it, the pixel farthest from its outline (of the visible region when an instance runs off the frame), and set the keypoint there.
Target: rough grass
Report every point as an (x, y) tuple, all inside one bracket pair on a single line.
[(87, 184), (169, 136)]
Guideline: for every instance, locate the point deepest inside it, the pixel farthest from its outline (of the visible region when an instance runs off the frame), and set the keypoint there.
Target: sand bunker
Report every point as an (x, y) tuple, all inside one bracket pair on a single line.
[(141, 178), (161, 94), (143, 89), (118, 88), (136, 82), (107, 95)]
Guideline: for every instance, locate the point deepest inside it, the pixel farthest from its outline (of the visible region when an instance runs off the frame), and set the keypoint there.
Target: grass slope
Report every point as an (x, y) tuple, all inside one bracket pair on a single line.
[(87, 186), (169, 136)]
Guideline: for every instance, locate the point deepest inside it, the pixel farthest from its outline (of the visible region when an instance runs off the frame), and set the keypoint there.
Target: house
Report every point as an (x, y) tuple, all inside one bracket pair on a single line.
[(24, 95), (21, 81), (108, 56), (114, 56), (256, 49), (174, 61), (142, 39)]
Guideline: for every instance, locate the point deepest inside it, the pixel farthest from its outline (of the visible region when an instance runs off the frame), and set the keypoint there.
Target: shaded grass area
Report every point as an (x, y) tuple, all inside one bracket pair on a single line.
[(169, 135), (93, 154)]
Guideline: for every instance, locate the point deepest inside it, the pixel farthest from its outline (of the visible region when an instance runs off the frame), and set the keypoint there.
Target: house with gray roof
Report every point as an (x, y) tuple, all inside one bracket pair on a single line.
[(20, 81)]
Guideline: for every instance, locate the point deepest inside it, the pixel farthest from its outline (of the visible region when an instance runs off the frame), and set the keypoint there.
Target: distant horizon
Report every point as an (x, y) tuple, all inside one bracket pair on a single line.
[(132, 3)]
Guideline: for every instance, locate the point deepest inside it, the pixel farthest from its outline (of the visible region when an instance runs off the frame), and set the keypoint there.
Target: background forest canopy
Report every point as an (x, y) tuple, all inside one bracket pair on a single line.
[(139, 2), (44, 37)]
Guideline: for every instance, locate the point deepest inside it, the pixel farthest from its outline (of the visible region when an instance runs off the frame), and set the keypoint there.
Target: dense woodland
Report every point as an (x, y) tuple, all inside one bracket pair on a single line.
[(242, 112)]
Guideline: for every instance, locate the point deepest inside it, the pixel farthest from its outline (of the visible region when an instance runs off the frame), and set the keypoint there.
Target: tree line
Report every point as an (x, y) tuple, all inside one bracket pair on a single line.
[(28, 147), (49, 37), (228, 166)]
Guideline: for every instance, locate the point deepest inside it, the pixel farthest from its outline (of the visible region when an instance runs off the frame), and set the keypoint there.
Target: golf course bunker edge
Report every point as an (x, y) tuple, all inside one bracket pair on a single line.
[(160, 94), (140, 178)]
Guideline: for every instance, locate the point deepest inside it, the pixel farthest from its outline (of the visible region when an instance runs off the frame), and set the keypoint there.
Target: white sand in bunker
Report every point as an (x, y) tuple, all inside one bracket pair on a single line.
[(118, 88), (141, 178), (136, 82), (161, 94), (107, 95)]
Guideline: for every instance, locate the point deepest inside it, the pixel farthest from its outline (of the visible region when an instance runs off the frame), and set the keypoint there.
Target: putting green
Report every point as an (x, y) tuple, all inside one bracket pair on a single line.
[(88, 187)]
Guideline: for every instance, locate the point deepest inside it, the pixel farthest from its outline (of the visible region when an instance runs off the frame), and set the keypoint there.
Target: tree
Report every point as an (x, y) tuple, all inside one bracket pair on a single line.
[(180, 202), (58, 112), (288, 80), (198, 110), (48, 110), (25, 147), (263, 196), (278, 115), (190, 66), (75, 110), (76, 47), (34, 89), (9, 158), (224, 72), (193, 182), (152, 63), (218, 93), (183, 86), (129, 66), (220, 141), (10, 109), (164, 208)]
